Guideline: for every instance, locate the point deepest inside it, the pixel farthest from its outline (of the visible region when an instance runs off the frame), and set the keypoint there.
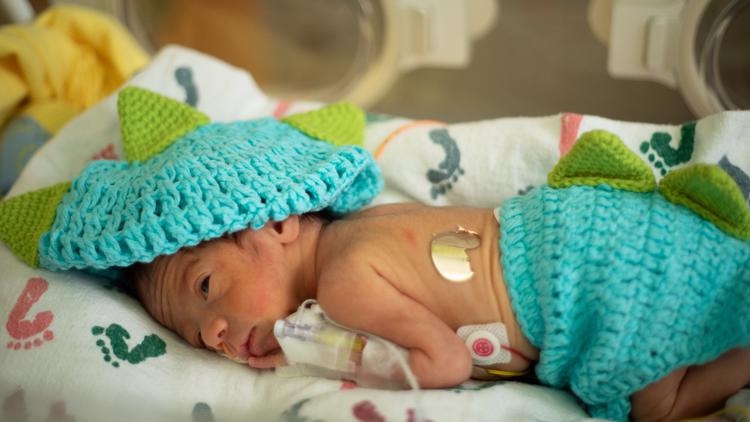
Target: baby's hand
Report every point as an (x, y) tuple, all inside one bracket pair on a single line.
[(271, 360)]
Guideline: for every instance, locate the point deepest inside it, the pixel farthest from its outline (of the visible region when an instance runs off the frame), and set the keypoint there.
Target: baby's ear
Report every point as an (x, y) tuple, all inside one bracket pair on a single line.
[(285, 231)]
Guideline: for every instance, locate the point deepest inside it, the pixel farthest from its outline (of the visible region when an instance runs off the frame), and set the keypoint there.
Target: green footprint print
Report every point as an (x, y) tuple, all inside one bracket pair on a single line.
[(152, 346), (662, 155)]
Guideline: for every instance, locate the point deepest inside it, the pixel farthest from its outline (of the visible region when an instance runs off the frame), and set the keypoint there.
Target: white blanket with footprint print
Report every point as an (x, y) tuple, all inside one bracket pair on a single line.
[(75, 349)]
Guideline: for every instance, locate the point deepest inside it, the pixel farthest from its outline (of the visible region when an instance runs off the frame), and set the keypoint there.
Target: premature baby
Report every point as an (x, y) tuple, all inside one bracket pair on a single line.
[(584, 296), (631, 297)]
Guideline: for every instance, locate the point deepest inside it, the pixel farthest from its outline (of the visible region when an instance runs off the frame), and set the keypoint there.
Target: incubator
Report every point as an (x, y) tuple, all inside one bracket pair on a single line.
[(324, 50), (652, 60), (699, 47)]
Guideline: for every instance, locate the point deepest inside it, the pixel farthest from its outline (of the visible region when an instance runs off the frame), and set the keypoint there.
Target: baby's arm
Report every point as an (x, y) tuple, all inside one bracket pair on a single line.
[(362, 299)]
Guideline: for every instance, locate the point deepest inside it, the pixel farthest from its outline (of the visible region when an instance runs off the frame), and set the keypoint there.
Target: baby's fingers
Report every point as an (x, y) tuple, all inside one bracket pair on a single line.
[(270, 360)]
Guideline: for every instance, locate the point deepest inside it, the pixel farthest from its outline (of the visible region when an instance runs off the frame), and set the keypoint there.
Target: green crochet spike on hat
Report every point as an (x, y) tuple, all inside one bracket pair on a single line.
[(601, 158), (150, 122), (348, 128), (711, 193), (25, 218)]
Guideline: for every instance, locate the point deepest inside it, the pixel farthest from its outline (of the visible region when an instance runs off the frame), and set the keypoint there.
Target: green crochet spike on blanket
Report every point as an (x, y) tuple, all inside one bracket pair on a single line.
[(339, 124), (711, 193), (25, 218), (601, 158), (150, 122)]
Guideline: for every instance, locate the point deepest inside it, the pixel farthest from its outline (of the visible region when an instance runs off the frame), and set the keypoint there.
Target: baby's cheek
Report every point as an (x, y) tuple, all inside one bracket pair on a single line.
[(260, 302)]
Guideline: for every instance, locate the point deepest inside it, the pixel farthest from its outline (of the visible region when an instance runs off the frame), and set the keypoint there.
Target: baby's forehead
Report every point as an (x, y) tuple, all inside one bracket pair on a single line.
[(183, 255), (153, 276), (169, 268), (156, 283)]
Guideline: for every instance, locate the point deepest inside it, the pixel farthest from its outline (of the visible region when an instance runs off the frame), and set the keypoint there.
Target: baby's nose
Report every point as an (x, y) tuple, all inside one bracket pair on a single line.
[(214, 333)]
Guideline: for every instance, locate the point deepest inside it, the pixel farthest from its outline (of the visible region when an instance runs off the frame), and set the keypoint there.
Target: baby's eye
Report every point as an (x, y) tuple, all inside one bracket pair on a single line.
[(204, 287)]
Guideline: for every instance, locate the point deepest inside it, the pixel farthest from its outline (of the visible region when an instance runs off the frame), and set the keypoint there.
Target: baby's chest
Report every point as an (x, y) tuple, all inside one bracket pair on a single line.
[(450, 280)]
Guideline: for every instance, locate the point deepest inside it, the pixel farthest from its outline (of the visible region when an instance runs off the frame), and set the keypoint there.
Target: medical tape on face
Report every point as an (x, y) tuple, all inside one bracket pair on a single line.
[(222, 350), (231, 357)]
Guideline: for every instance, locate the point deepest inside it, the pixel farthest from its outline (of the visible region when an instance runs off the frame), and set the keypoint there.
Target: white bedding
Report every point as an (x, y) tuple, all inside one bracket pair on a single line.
[(51, 367)]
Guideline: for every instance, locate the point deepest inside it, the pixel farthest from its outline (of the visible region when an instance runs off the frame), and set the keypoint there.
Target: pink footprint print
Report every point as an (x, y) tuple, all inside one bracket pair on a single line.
[(57, 413), (365, 411), (14, 407), (106, 153), (22, 329)]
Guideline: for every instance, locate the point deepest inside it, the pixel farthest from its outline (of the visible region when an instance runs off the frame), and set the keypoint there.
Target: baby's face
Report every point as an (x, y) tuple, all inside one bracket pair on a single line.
[(225, 294)]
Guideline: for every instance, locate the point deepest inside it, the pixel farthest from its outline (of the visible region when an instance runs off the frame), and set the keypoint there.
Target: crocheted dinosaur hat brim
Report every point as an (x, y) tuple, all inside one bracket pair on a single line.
[(212, 179)]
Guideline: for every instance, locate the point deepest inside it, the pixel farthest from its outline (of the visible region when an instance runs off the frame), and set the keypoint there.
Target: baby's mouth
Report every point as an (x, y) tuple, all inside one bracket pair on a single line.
[(249, 344), (255, 350)]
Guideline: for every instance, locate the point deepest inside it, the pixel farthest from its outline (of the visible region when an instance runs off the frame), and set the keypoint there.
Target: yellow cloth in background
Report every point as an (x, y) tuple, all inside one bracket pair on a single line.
[(54, 68)]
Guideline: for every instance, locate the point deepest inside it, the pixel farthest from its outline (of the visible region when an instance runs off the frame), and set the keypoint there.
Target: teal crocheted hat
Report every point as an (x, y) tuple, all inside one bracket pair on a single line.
[(187, 180)]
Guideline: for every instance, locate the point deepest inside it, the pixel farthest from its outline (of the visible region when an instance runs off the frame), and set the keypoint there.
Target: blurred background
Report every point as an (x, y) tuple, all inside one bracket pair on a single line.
[(663, 61)]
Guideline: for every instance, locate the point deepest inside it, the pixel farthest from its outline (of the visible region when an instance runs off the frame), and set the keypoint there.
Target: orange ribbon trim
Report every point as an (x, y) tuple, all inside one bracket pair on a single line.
[(402, 129)]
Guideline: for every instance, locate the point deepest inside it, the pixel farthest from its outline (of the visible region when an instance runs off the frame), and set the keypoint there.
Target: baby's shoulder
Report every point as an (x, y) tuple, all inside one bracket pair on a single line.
[(386, 210), (347, 264), (353, 249), (353, 243), (394, 232)]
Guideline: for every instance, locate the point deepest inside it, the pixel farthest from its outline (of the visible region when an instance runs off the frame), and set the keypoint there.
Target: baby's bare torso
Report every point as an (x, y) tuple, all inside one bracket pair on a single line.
[(396, 241)]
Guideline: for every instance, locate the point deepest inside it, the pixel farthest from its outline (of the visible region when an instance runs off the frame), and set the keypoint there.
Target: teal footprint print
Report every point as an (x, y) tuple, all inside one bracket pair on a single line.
[(740, 177), (475, 386), (184, 77), (376, 117), (152, 346), (663, 155), (449, 170), (293, 413), (525, 190), (202, 413)]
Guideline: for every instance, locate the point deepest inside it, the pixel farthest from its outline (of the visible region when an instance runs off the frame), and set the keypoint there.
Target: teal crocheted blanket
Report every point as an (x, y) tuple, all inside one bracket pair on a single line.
[(617, 289)]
